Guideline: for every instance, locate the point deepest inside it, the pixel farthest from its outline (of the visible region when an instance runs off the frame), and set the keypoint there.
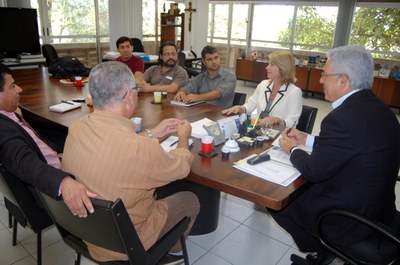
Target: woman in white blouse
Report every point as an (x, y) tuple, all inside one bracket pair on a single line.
[(277, 100)]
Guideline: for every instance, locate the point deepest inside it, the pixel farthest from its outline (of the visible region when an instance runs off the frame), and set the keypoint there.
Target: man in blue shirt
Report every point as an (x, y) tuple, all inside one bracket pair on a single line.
[(216, 85)]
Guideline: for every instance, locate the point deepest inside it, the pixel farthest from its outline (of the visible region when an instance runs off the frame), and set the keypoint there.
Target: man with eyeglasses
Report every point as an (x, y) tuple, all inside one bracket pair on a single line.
[(103, 149), (354, 162), (167, 76), (216, 86)]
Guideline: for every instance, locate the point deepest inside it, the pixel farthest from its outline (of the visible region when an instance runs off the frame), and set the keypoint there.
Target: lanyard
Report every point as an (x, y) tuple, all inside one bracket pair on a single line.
[(269, 107)]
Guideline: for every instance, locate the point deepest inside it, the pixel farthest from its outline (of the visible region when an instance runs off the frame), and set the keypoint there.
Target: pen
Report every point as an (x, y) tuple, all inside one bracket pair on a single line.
[(174, 143), (290, 129), (255, 123), (64, 101)]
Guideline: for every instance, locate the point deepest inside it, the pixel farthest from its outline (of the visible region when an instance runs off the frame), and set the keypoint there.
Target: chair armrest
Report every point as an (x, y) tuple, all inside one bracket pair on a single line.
[(380, 228)]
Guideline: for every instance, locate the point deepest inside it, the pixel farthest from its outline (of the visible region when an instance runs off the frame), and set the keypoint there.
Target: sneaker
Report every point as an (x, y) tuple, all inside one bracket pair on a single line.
[(170, 259)]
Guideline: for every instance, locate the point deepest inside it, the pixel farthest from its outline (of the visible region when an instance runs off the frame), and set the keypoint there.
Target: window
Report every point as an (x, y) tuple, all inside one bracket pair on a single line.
[(377, 29), (76, 21), (268, 22)]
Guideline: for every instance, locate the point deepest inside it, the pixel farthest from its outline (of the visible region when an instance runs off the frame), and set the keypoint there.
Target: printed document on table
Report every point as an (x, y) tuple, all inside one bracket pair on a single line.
[(303, 147), (271, 170), (197, 128), (171, 143)]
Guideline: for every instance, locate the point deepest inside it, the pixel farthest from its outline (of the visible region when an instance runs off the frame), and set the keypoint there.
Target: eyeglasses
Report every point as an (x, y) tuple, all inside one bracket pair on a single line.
[(170, 54), (133, 88), (325, 76)]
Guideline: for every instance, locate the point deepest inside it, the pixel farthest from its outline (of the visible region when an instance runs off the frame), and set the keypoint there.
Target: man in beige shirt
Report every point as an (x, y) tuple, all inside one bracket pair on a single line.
[(103, 149)]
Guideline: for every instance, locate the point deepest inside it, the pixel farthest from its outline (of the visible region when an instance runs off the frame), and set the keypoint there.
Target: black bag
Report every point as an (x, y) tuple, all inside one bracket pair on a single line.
[(68, 66)]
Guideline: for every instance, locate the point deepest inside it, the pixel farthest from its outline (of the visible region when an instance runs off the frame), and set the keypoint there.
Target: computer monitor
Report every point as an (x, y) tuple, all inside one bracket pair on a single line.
[(19, 32)]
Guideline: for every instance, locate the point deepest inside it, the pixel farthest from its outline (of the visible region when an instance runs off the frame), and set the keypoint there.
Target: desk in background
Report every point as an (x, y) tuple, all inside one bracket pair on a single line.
[(40, 91)]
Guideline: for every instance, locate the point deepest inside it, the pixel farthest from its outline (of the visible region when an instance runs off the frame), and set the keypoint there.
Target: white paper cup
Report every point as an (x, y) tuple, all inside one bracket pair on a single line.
[(138, 122)]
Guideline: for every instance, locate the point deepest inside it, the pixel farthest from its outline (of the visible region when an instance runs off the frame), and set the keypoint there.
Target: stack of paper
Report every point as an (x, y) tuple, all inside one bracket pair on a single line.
[(197, 128), (271, 170)]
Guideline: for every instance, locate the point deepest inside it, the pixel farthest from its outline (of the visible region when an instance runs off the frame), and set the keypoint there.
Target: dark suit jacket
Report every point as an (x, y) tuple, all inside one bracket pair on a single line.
[(354, 165), (22, 157)]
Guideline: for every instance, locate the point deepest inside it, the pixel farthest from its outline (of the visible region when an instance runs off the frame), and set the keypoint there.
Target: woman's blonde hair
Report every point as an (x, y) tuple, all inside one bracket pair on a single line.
[(284, 60)]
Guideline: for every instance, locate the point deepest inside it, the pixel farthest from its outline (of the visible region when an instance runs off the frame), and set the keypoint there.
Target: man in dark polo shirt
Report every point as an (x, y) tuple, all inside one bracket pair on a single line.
[(167, 76)]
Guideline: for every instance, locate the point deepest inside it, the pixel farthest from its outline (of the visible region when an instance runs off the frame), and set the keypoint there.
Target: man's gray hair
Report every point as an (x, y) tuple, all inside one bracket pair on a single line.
[(355, 62), (109, 82)]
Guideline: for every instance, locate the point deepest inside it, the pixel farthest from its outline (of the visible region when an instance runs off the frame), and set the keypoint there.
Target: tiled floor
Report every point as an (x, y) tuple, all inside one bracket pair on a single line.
[(246, 234)]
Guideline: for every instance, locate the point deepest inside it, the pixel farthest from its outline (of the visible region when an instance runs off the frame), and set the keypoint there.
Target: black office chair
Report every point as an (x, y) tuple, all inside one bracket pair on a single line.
[(383, 248), (307, 119), (111, 228), (239, 99), (197, 66), (50, 53), (22, 205), (137, 45)]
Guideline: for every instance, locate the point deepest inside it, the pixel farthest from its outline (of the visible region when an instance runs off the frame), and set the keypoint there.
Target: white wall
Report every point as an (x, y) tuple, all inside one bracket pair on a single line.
[(126, 20)]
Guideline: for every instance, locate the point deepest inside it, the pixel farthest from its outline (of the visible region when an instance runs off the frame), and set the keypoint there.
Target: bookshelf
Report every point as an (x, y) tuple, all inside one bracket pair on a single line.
[(173, 29)]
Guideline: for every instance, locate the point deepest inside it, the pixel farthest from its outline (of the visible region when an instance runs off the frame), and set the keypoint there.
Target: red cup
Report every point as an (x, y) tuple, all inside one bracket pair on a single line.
[(78, 81), (206, 144)]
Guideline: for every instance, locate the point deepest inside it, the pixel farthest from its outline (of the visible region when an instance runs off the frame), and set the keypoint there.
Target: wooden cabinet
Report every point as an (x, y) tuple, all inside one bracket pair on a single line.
[(388, 90), (250, 70), (173, 29), (313, 83), (302, 76)]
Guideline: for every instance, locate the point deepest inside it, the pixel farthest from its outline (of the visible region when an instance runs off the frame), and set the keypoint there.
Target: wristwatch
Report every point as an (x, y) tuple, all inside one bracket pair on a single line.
[(149, 133)]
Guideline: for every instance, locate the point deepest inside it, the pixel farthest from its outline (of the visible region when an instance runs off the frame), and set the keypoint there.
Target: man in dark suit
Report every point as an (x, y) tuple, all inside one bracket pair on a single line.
[(27, 156), (355, 159)]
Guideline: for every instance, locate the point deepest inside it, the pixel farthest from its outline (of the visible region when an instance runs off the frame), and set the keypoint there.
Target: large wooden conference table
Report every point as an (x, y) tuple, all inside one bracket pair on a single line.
[(40, 91)]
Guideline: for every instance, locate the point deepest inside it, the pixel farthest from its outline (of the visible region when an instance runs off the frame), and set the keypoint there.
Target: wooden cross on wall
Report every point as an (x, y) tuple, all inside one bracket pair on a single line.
[(191, 10)]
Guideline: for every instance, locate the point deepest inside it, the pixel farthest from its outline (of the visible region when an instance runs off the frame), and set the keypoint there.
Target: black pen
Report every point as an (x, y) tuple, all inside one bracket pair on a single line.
[(64, 101), (290, 129), (174, 143)]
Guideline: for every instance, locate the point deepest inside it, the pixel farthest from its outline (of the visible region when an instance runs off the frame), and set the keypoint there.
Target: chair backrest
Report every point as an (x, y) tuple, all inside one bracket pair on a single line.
[(49, 52), (108, 227), (181, 59), (381, 248), (307, 119), (22, 198), (239, 99), (137, 45)]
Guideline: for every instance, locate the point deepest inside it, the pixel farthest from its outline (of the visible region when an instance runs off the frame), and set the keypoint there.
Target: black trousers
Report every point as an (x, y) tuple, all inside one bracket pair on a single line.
[(305, 240)]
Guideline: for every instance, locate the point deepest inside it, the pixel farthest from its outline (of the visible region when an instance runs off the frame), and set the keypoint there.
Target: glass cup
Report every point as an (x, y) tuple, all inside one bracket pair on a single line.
[(86, 94), (206, 144), (157, 97), (266, 130), (138, 122), (164, 94)]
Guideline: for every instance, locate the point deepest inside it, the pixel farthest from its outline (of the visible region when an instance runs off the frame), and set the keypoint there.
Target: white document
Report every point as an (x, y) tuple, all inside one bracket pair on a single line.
[(179, 103), (171, 143), (197, 128), (303, 147), (63, 107), (271, 170)]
